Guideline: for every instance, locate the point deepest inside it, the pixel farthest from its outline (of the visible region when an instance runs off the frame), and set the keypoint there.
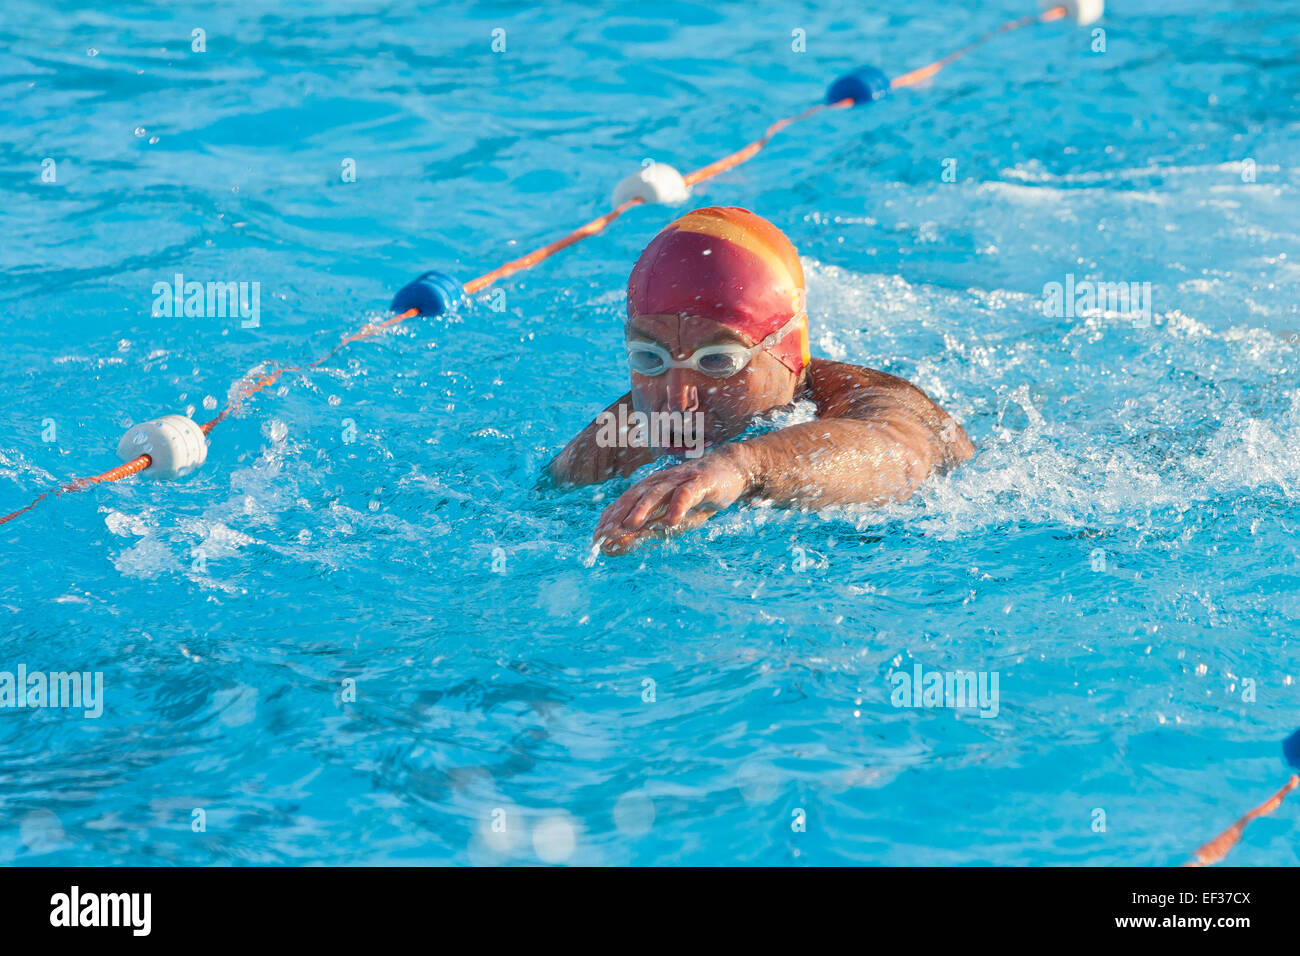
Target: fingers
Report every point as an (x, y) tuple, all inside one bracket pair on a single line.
[(616, 515), (677, 499), (612, 517), (622, 543), (629, 541), (685, 498), (694, 519), (637, 505), (652, 503)]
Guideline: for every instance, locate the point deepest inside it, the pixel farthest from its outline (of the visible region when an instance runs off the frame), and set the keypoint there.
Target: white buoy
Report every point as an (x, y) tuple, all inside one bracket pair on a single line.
[(656, 183), (1084, 12), (175, 444)]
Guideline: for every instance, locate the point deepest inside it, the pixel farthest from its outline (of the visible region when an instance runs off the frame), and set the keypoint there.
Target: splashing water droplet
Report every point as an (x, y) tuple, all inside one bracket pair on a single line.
[(555, 839), (634, 814)]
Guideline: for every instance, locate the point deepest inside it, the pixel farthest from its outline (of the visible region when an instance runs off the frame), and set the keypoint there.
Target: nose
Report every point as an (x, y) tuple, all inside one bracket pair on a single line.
[(682, 395)]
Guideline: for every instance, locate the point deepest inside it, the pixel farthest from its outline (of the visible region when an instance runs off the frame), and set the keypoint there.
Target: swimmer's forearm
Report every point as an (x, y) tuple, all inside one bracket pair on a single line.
[(838, 461), (585, 462)]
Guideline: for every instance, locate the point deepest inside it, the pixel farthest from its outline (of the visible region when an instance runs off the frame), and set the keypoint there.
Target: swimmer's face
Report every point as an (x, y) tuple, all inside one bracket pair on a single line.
[(729, 404)]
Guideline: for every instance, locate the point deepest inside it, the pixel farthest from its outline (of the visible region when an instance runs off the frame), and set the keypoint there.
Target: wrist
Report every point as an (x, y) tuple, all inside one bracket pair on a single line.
[(743, 457)]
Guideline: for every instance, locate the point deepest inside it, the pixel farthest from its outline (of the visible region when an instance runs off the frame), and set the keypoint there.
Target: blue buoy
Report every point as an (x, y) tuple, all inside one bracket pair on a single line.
[(863, 85), (1291, 750), (432, 293)]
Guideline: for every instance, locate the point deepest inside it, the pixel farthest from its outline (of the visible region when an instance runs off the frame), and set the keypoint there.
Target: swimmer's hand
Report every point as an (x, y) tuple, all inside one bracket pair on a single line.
[(674, 500)]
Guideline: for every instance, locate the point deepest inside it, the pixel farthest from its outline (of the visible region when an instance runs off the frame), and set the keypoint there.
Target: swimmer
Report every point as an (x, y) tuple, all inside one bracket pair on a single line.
[(717, 337)]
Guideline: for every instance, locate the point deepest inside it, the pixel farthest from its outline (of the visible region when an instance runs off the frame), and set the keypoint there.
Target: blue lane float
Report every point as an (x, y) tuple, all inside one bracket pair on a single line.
[(1291, 750), (866, 84), (433, 293)]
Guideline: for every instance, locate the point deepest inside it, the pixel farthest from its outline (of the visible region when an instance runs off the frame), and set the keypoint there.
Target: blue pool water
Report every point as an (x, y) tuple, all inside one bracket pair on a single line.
[(683, 704)]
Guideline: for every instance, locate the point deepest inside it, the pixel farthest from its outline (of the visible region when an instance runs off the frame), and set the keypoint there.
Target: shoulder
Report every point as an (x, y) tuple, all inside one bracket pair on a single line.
[(841, 390), (831, 384)]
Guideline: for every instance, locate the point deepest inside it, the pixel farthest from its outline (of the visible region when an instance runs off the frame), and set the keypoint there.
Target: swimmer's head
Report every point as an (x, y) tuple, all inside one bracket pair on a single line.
[(721, 291)]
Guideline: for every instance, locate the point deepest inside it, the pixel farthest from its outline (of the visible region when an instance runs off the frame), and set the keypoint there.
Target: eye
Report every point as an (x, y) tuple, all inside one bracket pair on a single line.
[(644, 361), (719, 363)]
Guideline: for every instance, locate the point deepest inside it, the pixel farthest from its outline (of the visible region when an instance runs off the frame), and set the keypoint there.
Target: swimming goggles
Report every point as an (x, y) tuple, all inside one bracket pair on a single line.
[(715, 361)]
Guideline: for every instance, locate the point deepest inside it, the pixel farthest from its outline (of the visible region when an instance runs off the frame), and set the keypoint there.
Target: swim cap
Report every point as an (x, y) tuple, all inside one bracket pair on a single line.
[(726, 264)]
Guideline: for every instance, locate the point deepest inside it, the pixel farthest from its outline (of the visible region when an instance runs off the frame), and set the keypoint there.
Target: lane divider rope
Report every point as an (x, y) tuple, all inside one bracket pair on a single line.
[(435, 293), (167, 447), (1214, 851)]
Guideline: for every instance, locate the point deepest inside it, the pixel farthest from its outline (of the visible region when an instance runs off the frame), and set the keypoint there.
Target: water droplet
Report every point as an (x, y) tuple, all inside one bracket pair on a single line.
[(92, 52), (140, 131), (634, 814), (758, 782), (41, 831), (554, 839)]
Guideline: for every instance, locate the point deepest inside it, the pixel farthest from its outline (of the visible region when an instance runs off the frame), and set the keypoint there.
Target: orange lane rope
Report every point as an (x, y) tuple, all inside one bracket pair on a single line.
[(1218, 848), (596, 225), (1209, 854), (243, 389), (251, 386), (744, 155), (929, 70), (132, 467)]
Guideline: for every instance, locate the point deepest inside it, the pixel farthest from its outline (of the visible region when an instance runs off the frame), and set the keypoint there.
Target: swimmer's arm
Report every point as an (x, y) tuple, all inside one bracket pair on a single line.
[(876, 439), (584, 462)]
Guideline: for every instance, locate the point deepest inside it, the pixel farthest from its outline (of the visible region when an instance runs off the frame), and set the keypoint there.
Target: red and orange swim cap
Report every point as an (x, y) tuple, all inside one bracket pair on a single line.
[(726, 264)]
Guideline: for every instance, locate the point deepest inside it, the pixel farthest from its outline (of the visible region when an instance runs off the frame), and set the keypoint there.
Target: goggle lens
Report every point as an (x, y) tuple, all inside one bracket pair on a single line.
[(646, 362), (722, 363)]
